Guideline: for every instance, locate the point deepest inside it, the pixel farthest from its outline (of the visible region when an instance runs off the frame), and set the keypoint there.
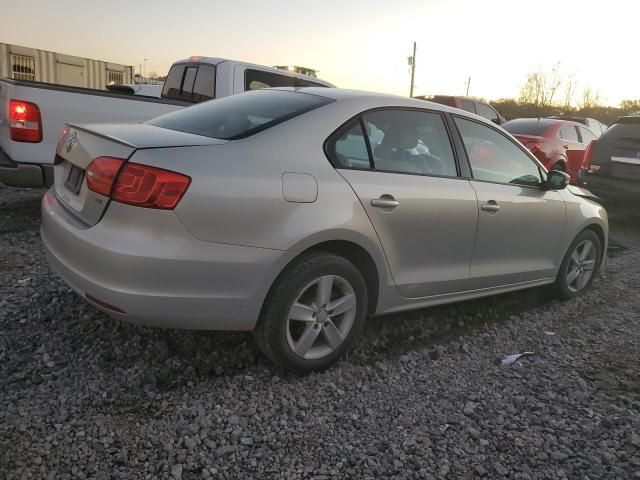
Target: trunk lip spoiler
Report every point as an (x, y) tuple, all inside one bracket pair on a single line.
[(126, 143), (101, 135)]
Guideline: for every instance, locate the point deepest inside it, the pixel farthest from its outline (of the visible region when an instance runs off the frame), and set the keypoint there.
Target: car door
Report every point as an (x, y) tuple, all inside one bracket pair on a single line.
[(405, 174), (520, 223)]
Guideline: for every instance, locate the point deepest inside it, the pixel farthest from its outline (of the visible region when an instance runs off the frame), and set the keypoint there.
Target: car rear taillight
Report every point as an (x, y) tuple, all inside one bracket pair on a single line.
[(586, 160), (101, 174), (149, 187), (25, 123), (136, 184)]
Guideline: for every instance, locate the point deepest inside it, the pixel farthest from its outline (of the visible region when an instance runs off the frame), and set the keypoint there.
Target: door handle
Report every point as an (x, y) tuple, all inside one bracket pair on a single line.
[(491, 206), (385, 201)]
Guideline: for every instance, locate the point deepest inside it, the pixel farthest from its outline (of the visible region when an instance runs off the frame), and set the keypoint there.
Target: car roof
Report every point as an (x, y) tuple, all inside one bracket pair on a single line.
[(374, 98), (545, 122), (456, 97), (582, 120)]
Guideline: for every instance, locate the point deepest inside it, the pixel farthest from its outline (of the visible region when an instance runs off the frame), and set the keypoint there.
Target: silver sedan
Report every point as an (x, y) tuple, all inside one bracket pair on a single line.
[(296, 214)]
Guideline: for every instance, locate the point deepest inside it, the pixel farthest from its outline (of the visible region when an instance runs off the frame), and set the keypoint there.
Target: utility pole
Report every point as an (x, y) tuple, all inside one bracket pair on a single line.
[(144, 66), (412, 62), (468, 83)]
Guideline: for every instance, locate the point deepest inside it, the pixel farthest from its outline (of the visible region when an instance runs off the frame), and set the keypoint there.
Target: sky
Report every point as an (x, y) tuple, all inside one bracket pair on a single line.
[(356, 44)]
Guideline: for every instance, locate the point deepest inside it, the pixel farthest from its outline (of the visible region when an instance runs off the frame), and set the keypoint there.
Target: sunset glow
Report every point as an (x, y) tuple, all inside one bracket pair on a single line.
[(361, 45)]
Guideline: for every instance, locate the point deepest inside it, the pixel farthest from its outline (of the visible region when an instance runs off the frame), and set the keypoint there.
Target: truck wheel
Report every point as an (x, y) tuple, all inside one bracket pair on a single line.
[(313, 313), (579, 265)]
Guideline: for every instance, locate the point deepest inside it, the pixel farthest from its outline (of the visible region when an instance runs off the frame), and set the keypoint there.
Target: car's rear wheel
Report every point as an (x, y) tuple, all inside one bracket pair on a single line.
[(314, 313), (579, 265)]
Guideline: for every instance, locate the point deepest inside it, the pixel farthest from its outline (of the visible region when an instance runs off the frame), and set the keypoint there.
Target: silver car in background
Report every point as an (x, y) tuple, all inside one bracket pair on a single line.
[(296, 213)]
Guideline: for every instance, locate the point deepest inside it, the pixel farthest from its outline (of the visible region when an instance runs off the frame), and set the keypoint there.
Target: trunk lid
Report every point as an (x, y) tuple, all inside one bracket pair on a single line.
[(80, 145)]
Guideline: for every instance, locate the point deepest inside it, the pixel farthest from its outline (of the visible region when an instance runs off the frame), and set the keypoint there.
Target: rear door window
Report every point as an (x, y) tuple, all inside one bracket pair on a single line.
[(468, 106), (257, 79), (487, 112), (586, 135), (410, 141), (569, 133)]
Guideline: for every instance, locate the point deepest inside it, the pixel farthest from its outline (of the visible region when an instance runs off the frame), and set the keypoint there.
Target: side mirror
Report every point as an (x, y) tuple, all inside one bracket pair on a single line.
[(557, 180)]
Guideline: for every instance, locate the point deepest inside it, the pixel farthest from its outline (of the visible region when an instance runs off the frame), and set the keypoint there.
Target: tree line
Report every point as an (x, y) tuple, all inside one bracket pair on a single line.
[(550, 92)]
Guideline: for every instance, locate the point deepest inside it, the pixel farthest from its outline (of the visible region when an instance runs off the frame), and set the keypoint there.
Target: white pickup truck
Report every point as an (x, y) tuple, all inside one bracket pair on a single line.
[(33, 114)]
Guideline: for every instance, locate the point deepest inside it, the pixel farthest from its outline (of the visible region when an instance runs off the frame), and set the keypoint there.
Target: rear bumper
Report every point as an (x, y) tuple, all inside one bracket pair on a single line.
[(614, 189), (149, 267), (25, 175)]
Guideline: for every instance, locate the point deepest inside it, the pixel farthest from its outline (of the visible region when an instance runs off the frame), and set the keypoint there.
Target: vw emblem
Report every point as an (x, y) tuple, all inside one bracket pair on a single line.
[(71, 141)]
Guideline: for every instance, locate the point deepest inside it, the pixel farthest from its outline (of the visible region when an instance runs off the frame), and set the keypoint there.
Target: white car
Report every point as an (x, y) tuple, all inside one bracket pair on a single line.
[(296, 213)]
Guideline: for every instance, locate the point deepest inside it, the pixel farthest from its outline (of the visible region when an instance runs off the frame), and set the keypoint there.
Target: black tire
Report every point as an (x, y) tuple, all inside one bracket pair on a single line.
[(562, 288), (559, 166), (271, 334)]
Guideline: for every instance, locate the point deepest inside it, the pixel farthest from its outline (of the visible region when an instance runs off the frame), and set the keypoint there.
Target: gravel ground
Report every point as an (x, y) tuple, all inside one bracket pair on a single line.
[(422, 396)]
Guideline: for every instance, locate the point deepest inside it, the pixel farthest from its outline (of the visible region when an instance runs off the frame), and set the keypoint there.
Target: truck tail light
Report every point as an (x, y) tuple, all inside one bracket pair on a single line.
[(25, 123), (136, 184), (149, 187)]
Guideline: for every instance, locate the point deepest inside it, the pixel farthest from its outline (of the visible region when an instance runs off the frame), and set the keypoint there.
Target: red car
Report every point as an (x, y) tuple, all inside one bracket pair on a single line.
[(558, 144)]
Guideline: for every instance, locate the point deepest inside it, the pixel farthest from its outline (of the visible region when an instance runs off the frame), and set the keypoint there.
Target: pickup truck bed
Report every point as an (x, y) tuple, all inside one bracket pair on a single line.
[(27, 164)]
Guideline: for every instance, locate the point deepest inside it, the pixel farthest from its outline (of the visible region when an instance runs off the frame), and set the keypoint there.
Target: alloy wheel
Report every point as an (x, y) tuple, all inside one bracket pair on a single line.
[(321, 317), (581, 265)]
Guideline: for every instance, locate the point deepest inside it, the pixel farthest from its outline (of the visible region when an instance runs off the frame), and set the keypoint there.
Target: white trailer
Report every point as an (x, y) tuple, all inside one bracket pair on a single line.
[(25, 63)]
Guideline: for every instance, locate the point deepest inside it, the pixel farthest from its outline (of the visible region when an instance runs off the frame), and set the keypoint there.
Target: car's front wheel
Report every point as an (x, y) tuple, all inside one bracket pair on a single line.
[(579, 265), (314, 312)]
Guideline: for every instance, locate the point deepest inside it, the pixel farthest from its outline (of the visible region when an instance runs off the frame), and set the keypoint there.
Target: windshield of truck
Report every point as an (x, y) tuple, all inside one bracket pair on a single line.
[(241, 115)]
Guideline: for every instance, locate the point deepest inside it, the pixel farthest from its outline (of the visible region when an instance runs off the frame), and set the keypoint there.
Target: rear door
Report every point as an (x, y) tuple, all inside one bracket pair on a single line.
[(405, 174), (520, 224)]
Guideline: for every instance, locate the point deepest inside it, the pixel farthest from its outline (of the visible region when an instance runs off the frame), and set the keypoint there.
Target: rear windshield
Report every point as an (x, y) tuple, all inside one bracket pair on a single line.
[(527, 126), (241, 115)]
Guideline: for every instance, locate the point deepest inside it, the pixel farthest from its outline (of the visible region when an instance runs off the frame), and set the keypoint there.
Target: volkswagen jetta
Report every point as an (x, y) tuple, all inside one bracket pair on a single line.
[(296, 213)]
